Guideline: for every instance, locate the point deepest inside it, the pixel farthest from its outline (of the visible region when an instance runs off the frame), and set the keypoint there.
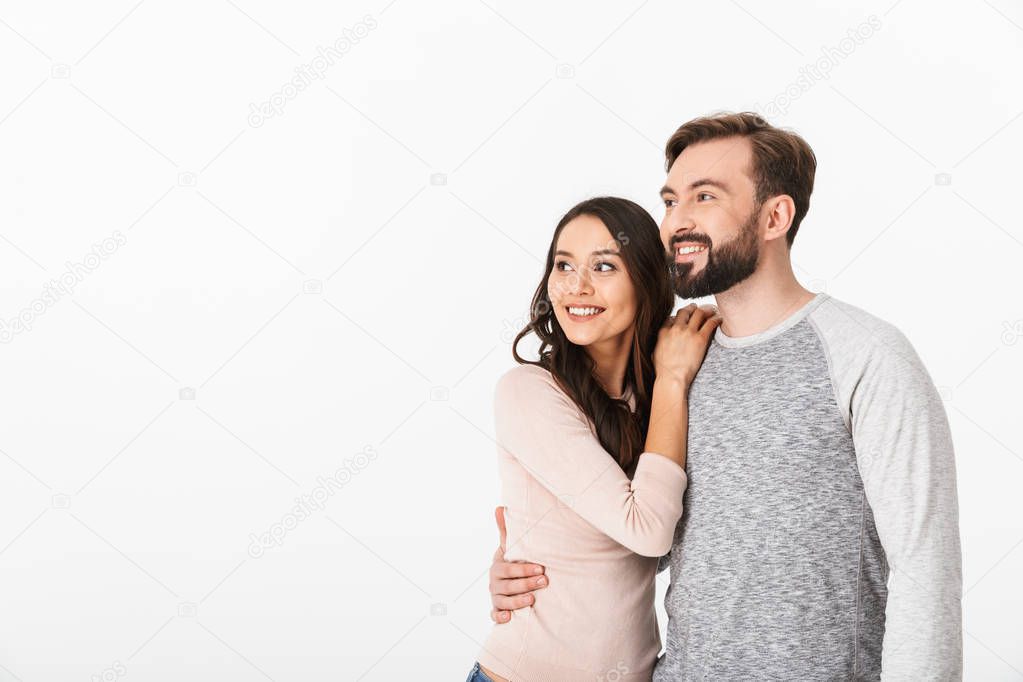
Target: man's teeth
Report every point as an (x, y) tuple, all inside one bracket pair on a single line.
[(585, 311), (691, 249)]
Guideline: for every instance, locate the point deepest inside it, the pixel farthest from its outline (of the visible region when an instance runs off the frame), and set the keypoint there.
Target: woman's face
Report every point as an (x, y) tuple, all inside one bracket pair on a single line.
[(593, 296)]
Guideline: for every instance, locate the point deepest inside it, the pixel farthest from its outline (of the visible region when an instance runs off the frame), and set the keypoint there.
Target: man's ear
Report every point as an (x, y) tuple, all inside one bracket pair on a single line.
[(780, 212)]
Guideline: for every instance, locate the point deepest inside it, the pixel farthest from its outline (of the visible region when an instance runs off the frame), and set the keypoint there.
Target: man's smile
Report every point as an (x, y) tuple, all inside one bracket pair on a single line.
[(687, 252)]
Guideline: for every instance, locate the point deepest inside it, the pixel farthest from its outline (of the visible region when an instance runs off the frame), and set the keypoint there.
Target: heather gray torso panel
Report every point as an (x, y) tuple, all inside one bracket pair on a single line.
[(777, 571)]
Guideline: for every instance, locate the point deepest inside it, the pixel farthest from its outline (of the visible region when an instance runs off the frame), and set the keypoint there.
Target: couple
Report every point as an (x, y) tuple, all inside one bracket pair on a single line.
[(818, 539)]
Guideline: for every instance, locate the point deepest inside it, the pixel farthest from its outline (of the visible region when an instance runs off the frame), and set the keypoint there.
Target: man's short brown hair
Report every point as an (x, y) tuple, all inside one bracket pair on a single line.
[(783, 163)]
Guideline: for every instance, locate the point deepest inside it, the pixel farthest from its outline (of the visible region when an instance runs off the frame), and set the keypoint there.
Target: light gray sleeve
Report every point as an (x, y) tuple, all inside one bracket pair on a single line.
[(664, 561), (905, 457)]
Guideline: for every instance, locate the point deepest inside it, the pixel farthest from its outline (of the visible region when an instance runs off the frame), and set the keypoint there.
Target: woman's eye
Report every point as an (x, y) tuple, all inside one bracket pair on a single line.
[(557, 266), (609, 265)]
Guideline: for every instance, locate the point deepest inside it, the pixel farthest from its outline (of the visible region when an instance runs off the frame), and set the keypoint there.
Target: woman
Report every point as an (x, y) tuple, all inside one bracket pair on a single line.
[(591, 450)]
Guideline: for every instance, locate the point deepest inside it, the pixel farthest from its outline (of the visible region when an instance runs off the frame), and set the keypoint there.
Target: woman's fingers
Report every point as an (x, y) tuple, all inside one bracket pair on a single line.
[(517, 586), (681, 316), (710, 324), (697, 318), (512, 585), (499, 517), (701, 315), (503, 570), (499, 616), (504, 602)]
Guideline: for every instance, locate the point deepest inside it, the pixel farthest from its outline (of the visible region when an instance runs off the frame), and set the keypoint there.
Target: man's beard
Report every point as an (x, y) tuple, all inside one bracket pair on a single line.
[(727, 265)]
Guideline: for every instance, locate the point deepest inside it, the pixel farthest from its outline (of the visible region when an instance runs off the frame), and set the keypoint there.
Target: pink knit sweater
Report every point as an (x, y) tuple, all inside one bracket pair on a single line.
[(571, 508)]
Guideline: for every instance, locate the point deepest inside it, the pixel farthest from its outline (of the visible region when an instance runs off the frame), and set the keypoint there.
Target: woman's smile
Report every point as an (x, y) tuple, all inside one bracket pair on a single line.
[(583, 313)]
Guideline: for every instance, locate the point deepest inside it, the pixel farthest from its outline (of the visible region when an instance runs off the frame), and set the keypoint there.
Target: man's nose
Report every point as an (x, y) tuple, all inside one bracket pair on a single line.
[(676, 223)]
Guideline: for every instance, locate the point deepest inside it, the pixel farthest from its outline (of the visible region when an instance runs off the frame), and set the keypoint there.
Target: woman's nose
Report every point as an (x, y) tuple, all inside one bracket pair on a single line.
[(579, 282)]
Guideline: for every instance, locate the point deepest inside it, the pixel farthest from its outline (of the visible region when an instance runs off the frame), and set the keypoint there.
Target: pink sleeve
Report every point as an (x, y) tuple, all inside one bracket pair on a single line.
[(546, 432)]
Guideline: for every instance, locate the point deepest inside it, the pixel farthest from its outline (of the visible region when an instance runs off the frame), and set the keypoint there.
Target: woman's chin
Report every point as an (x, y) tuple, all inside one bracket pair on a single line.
[(582, 338)]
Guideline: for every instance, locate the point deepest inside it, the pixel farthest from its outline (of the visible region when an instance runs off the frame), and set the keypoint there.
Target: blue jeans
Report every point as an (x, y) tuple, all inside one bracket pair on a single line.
[(477, 675)]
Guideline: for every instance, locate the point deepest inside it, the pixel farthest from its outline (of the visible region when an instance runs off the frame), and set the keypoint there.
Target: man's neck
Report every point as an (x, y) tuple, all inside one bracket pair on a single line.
[(761, 301)]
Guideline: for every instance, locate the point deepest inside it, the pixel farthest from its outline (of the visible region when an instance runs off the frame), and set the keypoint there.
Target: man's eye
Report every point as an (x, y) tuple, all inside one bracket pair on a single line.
[(703, 194), (669, 203)]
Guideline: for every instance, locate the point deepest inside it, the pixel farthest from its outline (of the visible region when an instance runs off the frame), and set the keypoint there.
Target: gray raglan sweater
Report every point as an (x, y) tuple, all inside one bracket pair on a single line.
[(820, 537)]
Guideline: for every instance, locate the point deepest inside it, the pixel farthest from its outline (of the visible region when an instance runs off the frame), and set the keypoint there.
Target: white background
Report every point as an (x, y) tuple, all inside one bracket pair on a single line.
[(322, 295)]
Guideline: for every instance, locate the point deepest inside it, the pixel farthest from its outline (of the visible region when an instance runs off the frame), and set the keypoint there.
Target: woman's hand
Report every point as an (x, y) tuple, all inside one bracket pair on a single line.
[(682, 343), (512, 583)]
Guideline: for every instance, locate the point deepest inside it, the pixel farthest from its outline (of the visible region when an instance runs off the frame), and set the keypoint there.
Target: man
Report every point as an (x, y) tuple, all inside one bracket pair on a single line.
[(820, 536)]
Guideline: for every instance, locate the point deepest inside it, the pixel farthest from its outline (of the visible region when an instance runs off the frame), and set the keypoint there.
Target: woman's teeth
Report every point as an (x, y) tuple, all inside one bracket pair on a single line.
[(582, 312)]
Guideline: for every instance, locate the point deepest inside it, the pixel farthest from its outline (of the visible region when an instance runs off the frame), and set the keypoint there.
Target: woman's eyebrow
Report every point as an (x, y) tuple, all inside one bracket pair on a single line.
[(600, 252)]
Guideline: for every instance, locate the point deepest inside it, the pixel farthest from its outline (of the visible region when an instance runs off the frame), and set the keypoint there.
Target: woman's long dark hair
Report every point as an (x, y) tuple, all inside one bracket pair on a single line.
[(636, 235)]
